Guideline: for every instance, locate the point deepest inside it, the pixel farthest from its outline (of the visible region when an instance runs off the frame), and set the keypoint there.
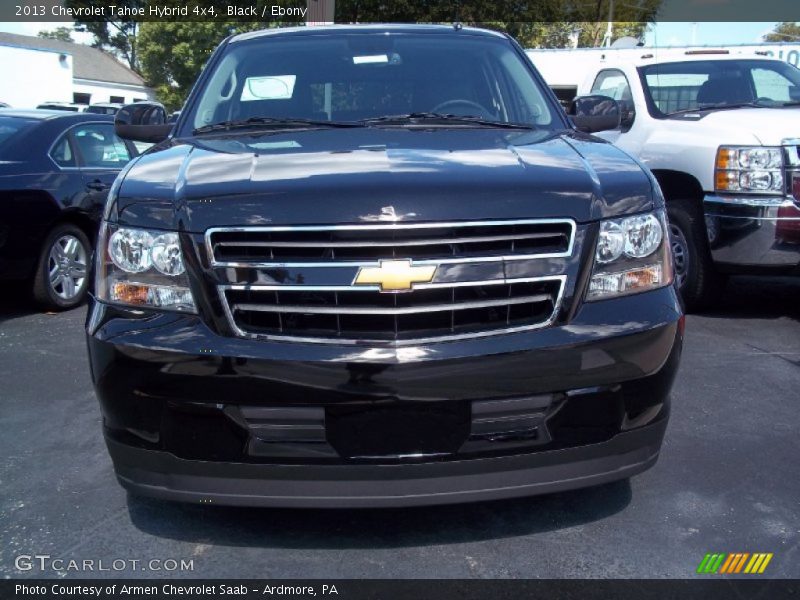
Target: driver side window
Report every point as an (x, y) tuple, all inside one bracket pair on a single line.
[(614, 84), (771, 85)]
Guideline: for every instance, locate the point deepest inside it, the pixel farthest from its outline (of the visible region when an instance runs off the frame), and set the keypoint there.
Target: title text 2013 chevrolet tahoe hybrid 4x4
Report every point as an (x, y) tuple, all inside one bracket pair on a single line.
[(721, 133), (377, 266)]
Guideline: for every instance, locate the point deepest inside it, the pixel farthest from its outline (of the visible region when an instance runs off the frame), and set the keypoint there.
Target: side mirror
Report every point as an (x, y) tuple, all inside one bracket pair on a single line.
[(594, 113), (627, 114), (142, 122)]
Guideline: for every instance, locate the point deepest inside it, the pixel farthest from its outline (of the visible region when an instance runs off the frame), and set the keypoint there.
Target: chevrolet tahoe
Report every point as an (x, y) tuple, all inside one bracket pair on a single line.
[(378, 266)]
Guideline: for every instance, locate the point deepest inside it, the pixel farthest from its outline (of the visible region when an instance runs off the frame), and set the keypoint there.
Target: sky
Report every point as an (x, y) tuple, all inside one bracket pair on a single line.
[(661, 34), (31, 28), (685, 34)]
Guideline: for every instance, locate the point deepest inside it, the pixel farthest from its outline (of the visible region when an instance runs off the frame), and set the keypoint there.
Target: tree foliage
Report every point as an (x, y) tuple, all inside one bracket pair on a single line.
[(784, 32), (172, 54), (116, 36), (534, 23), (62, 34)]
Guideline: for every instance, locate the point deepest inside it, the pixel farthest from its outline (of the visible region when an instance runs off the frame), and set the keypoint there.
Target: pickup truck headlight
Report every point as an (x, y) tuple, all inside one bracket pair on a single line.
[(137, 267), (749, 170), (632, 255)]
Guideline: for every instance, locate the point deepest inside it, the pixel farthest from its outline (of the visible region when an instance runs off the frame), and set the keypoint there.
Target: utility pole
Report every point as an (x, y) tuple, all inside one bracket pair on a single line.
[(320, 12), (610, 28)]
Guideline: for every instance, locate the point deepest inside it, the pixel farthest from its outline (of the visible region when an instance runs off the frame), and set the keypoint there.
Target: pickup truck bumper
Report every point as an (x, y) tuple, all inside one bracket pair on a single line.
[(751, 234)]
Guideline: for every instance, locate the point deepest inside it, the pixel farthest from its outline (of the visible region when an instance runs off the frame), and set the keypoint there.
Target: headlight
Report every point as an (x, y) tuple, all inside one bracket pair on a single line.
[(632, 255), (749, 170), (142, 268)]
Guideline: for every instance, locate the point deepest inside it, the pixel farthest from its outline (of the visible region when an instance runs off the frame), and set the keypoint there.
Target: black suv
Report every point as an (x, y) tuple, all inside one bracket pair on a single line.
[(377, 266)]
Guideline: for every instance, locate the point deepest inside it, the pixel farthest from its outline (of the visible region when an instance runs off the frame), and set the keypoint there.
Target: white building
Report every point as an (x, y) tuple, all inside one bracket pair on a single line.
[(35, 70)]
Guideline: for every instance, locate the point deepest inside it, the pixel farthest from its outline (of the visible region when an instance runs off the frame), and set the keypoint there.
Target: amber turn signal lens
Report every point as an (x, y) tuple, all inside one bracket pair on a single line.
[(129, 293), (726, 158), (727, 180)]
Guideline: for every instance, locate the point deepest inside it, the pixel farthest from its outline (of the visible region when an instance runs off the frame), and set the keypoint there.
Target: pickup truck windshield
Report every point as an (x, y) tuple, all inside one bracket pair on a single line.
[(358, 78), (719, 84)]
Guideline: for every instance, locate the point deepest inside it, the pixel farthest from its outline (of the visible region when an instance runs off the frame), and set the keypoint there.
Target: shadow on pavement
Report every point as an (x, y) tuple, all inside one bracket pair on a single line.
[(759, 298), (377, 528), (16, 301)]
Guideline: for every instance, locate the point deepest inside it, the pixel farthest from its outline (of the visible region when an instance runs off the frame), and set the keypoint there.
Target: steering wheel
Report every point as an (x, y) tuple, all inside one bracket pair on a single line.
[(469, 104)]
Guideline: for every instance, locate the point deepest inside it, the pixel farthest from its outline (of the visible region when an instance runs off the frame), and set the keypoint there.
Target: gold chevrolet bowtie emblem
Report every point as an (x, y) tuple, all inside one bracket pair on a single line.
[(395, 275)]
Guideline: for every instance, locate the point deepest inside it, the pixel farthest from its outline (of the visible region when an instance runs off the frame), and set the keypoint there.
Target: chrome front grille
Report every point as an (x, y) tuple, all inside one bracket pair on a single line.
[(282, 297), (360, 244), (791, 151)]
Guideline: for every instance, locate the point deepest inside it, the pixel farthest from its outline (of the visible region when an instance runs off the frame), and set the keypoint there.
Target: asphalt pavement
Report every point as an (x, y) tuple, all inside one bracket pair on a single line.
[(728, 479)]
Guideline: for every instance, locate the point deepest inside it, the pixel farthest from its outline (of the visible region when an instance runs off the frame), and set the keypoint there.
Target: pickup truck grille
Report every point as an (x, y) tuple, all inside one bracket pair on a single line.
[(792, 178), (346, 312)]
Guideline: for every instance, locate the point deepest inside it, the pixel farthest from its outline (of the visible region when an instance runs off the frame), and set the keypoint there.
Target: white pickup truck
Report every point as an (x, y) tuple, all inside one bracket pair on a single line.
[(721, 134)]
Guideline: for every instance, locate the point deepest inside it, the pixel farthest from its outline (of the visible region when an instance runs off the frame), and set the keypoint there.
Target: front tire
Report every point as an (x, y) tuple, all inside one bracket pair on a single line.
[(699, 284), (62, 275)]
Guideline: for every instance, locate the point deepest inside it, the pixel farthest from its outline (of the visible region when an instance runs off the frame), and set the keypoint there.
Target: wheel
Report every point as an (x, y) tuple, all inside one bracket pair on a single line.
[(468, 104), (62, 275), (698, 281)]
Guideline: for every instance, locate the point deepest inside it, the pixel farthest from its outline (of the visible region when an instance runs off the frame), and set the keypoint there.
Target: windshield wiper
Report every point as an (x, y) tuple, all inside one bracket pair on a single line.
[(270, 123), (430, 118)]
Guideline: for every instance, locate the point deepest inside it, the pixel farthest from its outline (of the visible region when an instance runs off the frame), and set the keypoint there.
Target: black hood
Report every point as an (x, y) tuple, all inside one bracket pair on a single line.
[(368, 174)]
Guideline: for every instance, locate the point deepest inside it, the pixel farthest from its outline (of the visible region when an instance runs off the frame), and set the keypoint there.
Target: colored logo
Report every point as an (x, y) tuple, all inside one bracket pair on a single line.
[(395, 275), (736, 562)]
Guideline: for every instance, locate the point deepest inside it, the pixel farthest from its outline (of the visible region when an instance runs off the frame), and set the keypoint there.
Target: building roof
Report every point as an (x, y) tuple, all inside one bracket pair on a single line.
[(87, 62)]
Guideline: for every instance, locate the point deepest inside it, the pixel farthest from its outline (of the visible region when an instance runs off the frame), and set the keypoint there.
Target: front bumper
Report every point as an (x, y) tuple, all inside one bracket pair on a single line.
[(163, 475), (191, 415), (751, 234)]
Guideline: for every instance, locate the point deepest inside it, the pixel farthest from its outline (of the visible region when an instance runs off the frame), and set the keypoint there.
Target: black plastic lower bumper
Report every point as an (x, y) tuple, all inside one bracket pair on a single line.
[(162, 475)]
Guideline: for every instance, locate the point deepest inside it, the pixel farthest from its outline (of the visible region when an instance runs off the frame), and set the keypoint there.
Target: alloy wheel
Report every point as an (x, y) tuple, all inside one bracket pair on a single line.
[(67, 267), (680, 254)]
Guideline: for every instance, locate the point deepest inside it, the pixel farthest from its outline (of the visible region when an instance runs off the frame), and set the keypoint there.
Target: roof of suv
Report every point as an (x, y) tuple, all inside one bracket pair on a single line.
[(654, 56), (368, 28)]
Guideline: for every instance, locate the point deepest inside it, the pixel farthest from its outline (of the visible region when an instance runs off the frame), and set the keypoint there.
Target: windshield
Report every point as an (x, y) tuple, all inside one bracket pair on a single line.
[(12, 128), (716, 84), (357, 77)]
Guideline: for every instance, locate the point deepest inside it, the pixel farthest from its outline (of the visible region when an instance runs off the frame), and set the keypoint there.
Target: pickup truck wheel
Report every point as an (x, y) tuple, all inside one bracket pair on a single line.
[(698, 282), (63, 273)]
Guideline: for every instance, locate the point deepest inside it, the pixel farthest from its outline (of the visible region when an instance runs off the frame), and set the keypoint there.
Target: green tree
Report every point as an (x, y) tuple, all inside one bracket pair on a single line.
[(784, 32), (535, 34), (592, 34), (172, 54), (116, 36), (62, 34)]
